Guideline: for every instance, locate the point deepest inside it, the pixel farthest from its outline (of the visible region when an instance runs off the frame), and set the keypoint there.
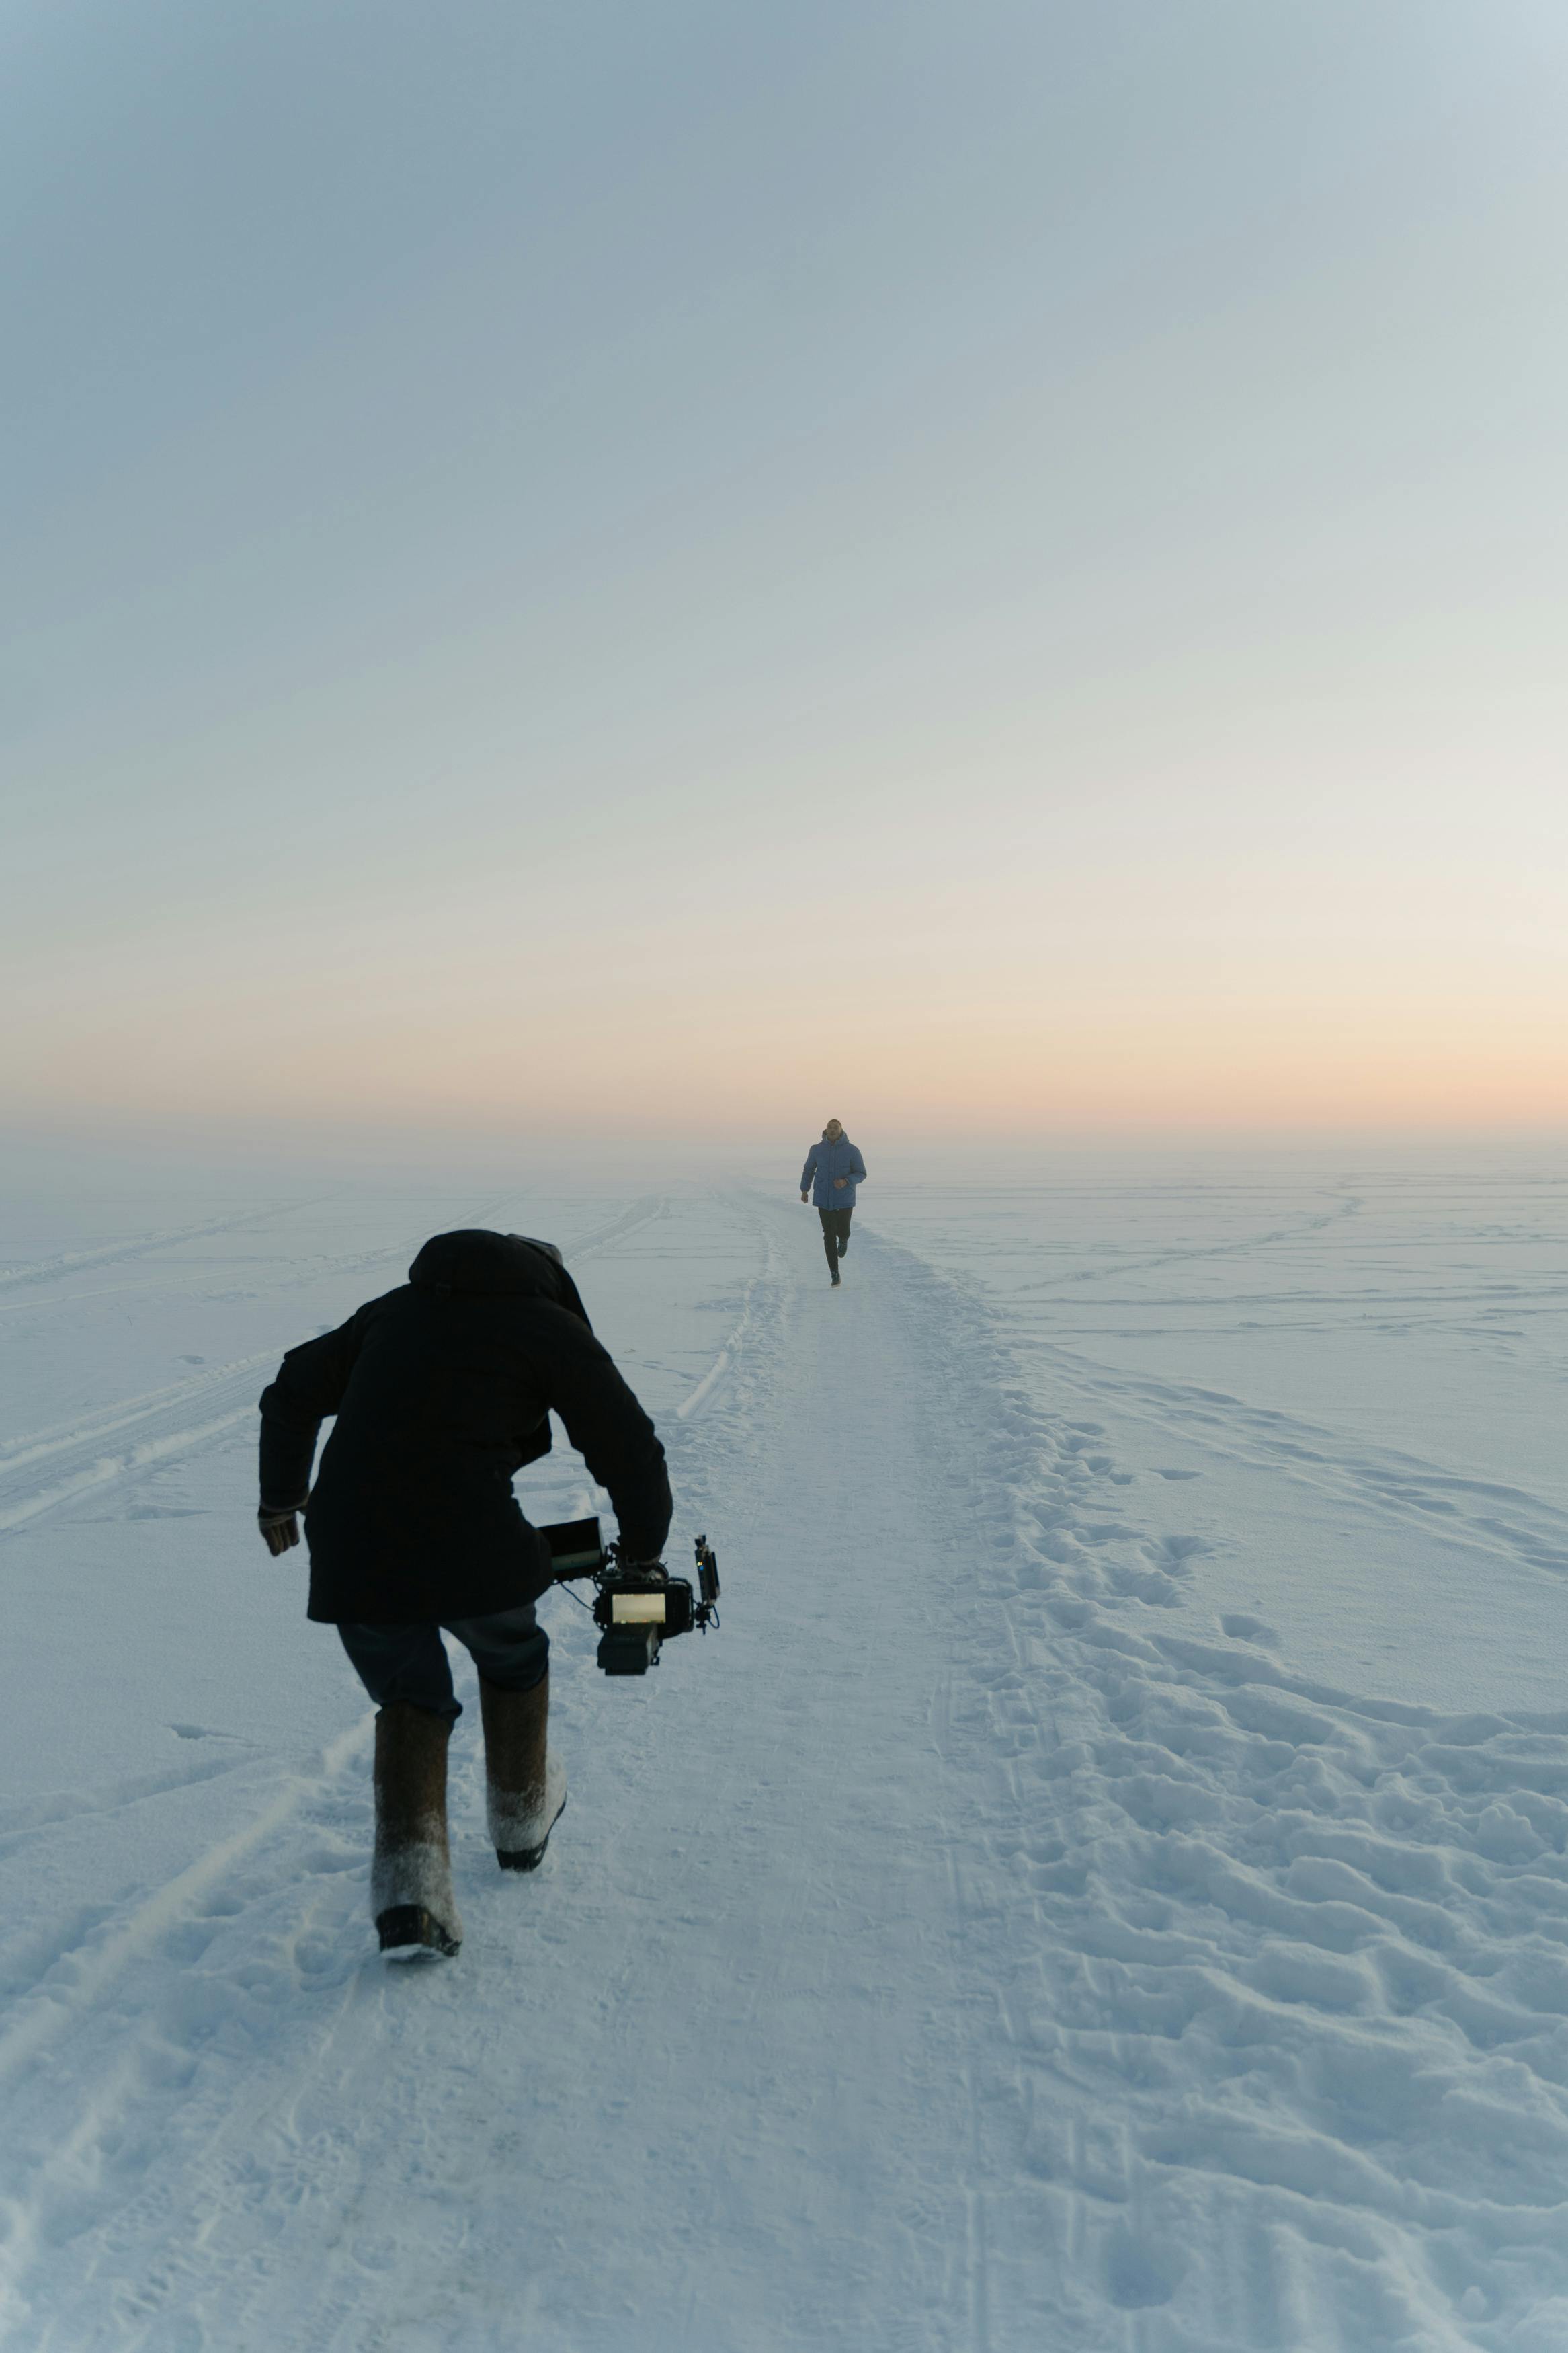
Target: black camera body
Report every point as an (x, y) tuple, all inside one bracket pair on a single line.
[(637, 1605)]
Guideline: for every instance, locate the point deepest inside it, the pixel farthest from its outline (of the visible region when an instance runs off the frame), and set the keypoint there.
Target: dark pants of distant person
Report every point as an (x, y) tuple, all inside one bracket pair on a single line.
[(510, 1647), (835, 1234)]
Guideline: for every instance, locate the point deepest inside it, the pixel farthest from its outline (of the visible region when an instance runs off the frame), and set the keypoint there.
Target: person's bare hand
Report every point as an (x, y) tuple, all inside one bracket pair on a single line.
[(806, 1197), (839, 1183), (280, 1530)]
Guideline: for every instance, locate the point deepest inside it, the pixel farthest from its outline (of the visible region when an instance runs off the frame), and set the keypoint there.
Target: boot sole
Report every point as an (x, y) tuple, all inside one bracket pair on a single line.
[(408, 1930), (527, 1858)]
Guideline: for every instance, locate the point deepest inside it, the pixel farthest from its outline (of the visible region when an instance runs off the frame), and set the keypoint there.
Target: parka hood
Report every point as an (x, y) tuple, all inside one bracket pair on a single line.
[(475, 1263)]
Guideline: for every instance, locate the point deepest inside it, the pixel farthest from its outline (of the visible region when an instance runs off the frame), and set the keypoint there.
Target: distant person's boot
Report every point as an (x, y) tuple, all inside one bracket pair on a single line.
[(838, 1278), (411, 1897), (525, 1788)]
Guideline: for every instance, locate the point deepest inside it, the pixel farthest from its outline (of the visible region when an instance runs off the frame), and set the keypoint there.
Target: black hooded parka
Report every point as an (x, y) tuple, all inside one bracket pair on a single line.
[(442, 1390)]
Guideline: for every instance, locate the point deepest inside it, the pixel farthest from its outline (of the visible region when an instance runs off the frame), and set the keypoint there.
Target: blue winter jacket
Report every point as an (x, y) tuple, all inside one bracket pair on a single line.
[(825, 1161)]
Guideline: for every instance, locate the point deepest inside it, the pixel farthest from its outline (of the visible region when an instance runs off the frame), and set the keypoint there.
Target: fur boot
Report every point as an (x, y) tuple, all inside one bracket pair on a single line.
[(525, 1788), (411, 1897)]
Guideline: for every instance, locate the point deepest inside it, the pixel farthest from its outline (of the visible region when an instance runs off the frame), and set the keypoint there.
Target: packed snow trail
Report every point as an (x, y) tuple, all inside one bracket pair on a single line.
[(973, 1946), (700, 2081)]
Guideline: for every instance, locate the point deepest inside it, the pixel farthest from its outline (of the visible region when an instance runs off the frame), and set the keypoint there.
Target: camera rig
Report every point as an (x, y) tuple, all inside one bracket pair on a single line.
[(637, 1605)]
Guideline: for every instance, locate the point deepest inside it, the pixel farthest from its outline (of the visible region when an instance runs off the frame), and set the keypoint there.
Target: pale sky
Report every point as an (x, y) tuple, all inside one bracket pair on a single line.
[(656, 566)]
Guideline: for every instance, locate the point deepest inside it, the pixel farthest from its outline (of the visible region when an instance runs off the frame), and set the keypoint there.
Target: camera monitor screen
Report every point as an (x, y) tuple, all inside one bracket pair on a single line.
[(574, 1547), (638, 1609)]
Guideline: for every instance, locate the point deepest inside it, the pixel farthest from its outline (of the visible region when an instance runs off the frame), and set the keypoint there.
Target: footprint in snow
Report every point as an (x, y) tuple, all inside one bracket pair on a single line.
[(1171, 1551), (1243, 1629), (1141, 2272)]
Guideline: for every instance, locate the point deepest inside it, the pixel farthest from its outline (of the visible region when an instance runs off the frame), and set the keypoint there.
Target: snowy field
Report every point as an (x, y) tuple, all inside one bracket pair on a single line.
[(1105, 1889)]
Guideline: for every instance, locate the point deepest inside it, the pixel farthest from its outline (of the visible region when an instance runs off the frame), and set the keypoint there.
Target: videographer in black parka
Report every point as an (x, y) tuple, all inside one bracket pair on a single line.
[(442, 1390)]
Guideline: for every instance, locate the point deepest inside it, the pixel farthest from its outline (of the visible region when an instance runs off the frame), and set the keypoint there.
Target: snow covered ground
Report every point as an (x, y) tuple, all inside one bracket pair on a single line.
[(1106, 1886)]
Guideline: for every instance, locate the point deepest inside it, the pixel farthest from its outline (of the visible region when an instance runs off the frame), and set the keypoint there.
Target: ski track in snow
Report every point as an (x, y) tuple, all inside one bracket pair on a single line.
[(57, 1466), (750, 1328), (617, 1229), (1132, 1262), (157, 1427), (52, 1269), (1482, 1513), (959, 1952)]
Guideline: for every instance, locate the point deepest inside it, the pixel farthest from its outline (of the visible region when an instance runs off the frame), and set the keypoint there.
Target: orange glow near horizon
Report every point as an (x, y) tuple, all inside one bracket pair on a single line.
[(1282, 1070)]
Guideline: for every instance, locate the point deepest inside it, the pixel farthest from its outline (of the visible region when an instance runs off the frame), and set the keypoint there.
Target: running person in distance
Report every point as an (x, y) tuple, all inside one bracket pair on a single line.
[(833, 1169)]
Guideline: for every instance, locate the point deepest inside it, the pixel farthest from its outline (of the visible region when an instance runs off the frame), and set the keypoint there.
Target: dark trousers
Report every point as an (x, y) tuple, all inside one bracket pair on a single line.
[(510, 1647), (835, 1234)]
